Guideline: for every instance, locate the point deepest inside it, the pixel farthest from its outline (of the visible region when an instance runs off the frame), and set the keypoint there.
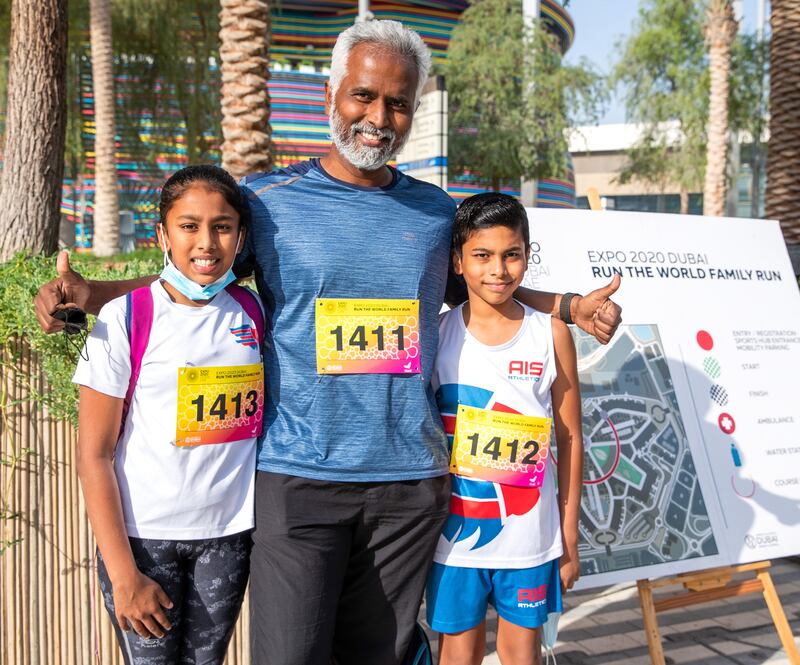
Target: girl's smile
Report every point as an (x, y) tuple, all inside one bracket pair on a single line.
[(202, 234)]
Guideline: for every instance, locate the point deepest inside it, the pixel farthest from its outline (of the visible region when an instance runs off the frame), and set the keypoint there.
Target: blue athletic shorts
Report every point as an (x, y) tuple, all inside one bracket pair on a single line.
[(457, 598)]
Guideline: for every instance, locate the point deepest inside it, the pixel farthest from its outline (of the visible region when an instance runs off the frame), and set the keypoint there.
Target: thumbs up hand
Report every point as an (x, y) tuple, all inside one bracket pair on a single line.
[(597, 314), (69, 289)]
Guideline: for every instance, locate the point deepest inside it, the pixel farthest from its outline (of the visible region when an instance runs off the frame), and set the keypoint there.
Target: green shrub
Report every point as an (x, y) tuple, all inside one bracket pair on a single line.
[(20, 279)]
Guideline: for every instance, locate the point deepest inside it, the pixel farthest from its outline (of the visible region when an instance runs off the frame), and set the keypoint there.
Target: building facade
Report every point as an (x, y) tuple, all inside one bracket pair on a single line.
[(303, 33)]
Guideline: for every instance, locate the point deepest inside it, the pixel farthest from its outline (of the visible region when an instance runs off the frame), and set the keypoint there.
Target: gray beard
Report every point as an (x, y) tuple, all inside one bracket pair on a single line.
[(361, 156)]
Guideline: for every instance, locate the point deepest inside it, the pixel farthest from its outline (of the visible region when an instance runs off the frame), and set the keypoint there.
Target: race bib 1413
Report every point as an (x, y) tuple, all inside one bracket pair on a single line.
[(368, 336), (501, 447), (219, 404)]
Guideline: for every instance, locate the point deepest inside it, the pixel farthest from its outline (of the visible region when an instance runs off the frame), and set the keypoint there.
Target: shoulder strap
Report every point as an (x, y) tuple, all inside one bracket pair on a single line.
[(139, 321), (251, 307)]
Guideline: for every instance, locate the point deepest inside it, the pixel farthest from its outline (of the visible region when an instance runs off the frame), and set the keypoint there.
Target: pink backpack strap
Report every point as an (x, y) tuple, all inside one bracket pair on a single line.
[(139, 321), (249, 303)]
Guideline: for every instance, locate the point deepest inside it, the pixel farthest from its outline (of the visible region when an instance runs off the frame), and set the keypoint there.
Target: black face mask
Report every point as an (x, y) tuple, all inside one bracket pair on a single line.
[(75, 323)]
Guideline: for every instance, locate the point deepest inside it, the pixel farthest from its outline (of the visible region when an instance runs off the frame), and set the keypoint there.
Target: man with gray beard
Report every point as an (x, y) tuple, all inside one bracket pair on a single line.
[(352, 483)]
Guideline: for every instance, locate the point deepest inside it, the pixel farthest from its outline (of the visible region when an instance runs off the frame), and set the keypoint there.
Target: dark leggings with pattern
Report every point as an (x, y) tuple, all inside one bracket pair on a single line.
[(205, 580)]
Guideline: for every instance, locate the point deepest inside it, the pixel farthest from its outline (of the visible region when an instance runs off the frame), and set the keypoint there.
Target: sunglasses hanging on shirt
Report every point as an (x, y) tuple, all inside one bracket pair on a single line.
[(75, 323)]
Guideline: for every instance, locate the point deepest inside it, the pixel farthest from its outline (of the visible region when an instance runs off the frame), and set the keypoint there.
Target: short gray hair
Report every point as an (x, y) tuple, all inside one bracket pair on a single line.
[(389, 35)]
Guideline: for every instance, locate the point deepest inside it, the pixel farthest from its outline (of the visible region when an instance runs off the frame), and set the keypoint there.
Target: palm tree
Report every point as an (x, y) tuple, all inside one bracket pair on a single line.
[(720, 32), (36, 120), (244, 52), (783, 175), (106, 199)]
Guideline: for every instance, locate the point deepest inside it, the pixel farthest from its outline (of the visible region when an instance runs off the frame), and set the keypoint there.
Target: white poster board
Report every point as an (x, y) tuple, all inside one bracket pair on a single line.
[(691, 415)]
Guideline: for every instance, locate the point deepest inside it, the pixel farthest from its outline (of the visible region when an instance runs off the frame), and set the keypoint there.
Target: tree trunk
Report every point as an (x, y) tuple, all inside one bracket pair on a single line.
[(720, 32), (783, 152), (684, 199), (244, 52), (36, 120), (105, 239), (756, 165)]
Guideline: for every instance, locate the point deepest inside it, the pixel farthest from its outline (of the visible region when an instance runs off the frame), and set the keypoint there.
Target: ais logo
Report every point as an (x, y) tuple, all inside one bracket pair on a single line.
[(531, 597), (524, 370)]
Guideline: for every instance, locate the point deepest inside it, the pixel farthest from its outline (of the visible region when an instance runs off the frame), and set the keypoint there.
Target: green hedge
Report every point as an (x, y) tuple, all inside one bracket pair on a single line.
[(20, 279)]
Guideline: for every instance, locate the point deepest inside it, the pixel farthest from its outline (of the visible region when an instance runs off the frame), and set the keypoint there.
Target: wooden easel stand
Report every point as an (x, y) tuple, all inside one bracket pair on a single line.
[(708, 585)]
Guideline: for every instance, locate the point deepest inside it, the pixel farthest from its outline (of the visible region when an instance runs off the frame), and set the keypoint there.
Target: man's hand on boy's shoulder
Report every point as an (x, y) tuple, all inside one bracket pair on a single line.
[(596, 313), (69, 289)]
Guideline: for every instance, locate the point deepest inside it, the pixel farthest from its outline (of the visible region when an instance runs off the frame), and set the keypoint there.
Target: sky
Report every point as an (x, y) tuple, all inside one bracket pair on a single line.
[(600, 24)]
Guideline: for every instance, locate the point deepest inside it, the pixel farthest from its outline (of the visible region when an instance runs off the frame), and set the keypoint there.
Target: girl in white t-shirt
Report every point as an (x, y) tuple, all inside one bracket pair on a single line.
[(171, 404)]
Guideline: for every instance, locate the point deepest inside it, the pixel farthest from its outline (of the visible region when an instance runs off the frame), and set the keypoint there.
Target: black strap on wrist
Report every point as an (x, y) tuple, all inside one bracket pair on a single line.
[(563, 308)]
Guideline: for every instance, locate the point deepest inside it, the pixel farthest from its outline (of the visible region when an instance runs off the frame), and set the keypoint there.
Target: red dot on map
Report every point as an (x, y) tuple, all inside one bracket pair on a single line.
[(705, 340), (726, 423)]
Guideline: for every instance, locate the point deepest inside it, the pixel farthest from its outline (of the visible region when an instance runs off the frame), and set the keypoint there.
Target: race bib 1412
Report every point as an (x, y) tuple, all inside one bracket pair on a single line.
[(367, 336), (219, 404), (501, 447)]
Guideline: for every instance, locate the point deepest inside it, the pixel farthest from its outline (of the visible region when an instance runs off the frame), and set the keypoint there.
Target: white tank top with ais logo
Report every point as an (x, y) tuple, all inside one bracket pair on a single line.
[(494, 525)]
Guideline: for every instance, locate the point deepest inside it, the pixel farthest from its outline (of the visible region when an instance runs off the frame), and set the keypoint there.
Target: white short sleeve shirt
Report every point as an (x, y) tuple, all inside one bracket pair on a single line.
[(170, 492)]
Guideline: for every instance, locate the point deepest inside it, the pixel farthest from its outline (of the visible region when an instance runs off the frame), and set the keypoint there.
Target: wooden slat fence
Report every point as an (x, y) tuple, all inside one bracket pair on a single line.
[(50, 605)]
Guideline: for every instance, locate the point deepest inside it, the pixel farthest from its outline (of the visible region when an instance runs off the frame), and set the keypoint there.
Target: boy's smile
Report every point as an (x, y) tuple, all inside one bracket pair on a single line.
[(493, 262)]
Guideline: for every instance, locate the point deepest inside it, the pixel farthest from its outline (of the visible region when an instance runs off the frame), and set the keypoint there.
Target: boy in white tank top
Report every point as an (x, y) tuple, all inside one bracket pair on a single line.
[(502, 369)]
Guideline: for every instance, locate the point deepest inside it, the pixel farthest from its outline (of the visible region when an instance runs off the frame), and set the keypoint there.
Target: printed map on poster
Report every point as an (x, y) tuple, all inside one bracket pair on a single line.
[(643, 503)]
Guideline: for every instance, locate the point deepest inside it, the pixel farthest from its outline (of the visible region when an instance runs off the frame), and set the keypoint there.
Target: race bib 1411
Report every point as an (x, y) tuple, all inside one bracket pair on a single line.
[(501, 447), (367, 336), (219, 404)]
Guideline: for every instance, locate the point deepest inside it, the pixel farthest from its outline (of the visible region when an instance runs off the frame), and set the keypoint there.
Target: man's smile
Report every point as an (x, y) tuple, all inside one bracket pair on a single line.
[(371, 139)]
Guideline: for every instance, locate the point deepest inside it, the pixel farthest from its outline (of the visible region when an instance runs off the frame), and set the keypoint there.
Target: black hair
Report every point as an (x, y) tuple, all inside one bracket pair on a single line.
[(209, 176), (483, 211)]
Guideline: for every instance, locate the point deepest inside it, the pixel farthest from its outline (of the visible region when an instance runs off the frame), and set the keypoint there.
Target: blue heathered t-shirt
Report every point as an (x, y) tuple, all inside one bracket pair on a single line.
[(313, 236)]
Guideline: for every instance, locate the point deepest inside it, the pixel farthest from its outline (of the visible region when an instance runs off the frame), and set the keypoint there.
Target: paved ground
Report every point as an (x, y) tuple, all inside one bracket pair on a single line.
[(605, 627)]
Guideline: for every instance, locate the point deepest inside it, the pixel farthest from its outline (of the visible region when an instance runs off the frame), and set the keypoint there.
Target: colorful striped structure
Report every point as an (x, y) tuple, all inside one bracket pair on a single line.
[(305, 31), (465, 186), (299, 123), (553, 193), (140, 178), (303, 34)]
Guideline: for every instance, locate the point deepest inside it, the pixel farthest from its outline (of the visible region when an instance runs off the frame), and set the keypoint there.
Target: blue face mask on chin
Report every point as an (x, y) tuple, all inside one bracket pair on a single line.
[(191, 289)]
